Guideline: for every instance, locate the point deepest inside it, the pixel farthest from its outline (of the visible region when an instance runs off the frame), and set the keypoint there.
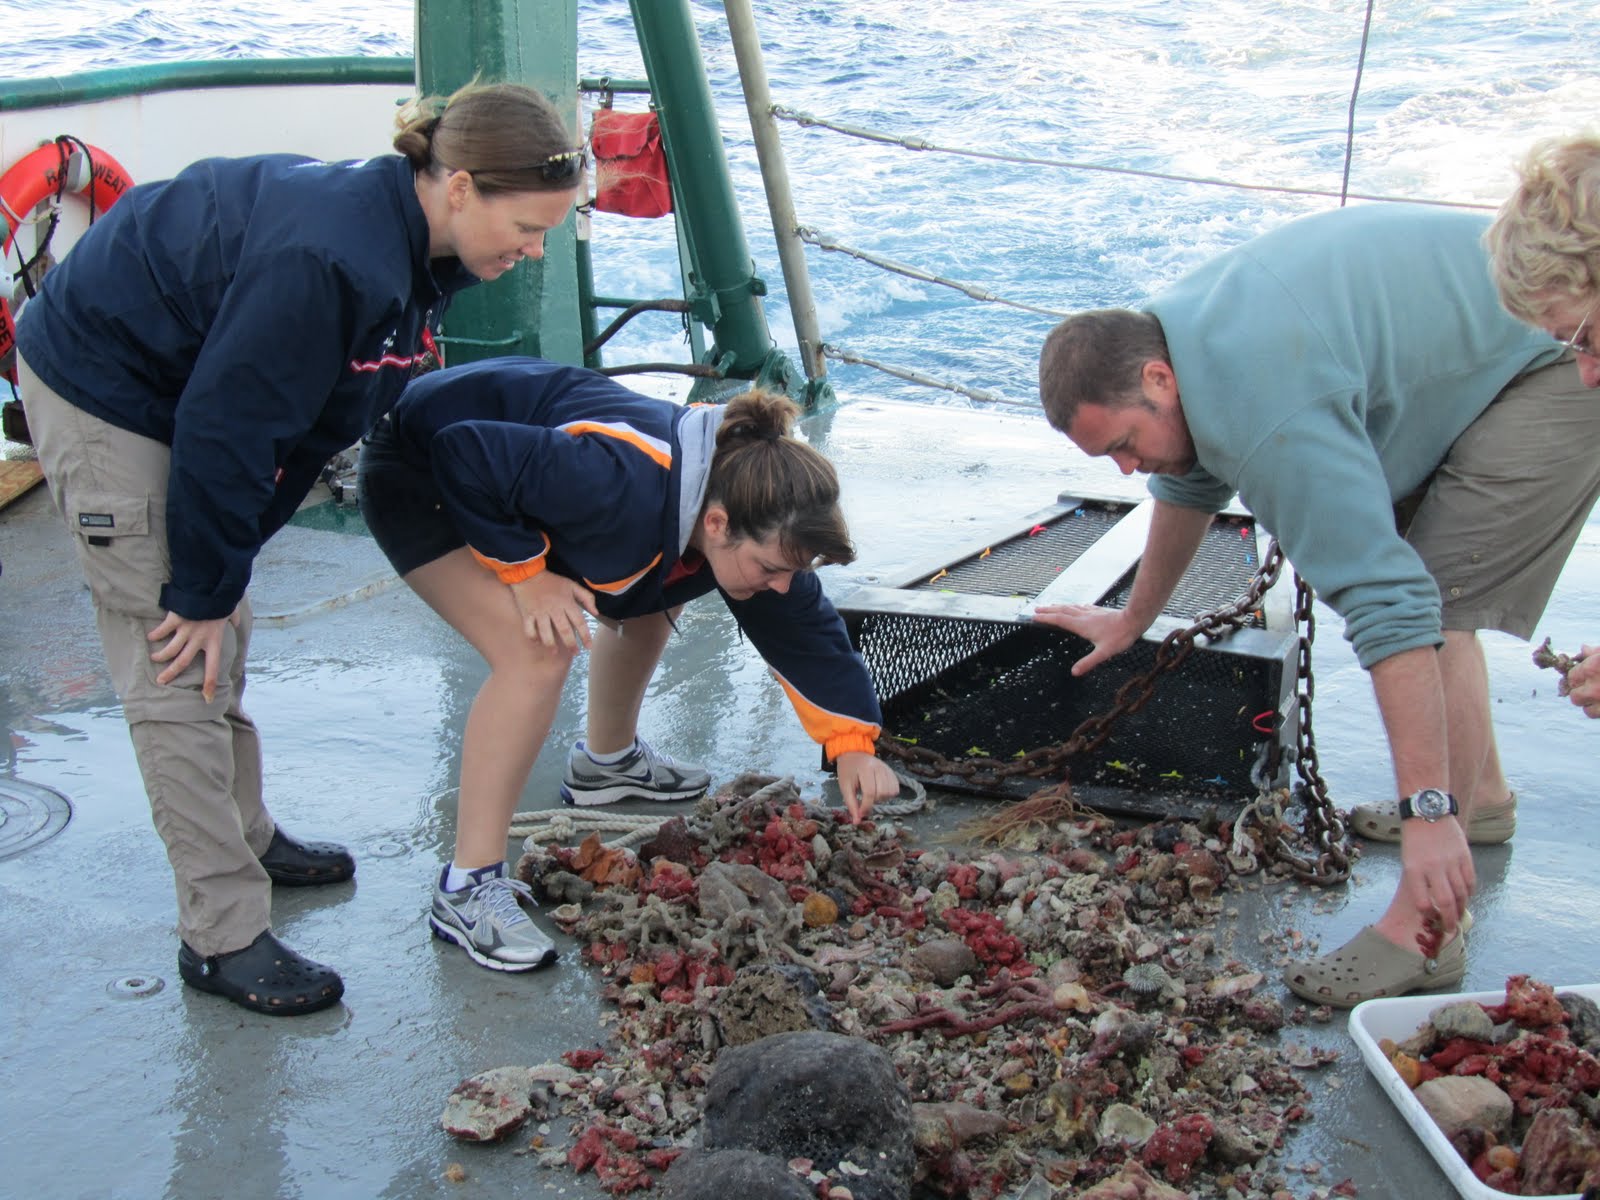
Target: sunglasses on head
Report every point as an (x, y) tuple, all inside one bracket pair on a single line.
[(564, 167)]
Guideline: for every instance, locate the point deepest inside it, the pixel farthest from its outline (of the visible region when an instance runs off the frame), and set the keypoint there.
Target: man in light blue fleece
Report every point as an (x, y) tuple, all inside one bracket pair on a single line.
[(1352, 377)]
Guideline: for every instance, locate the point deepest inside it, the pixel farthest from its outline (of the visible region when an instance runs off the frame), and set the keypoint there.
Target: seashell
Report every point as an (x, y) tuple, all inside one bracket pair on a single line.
[(1071, 997), (567, 914), (1124, 1125), (1234, 985), (1150, 979)]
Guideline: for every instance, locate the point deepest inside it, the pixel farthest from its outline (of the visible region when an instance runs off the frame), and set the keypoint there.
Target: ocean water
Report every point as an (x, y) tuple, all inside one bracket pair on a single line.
[(1255, 91)]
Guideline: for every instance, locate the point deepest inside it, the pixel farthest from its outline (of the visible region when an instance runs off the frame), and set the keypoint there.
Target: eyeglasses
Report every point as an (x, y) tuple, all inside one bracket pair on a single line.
[(1579, 344)]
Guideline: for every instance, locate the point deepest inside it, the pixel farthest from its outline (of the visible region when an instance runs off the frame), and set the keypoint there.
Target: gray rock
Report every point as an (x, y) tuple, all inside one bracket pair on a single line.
[(943, 960), (1583, 1020), (719, 1174), (823, 1096), (492, 1103), (1458, 1103), (1465, 1019), (768, 999)]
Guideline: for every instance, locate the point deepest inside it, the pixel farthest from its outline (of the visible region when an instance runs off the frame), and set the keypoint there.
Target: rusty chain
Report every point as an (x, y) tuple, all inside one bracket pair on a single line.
[(1324, 828), (1329, 861)]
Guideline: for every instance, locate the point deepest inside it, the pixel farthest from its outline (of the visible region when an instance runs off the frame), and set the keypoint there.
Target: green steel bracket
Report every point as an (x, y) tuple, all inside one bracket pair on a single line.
[(817, 395)]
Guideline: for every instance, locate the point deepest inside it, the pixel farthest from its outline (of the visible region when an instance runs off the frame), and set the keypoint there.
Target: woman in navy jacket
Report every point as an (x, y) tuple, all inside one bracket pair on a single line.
[(187, 370), (519, 498)]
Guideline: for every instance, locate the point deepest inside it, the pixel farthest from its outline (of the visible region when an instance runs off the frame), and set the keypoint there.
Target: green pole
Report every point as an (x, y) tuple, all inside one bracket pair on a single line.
[(532, 309), (725, 288)]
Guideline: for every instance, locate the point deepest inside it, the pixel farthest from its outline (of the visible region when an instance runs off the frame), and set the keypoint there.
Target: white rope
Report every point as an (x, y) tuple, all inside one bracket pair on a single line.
[(542, 826), (539, 827)]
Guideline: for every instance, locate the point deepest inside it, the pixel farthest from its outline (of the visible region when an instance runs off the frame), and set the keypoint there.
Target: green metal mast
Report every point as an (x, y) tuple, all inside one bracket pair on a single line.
[(727, 291), (546, 308), (534, 308)]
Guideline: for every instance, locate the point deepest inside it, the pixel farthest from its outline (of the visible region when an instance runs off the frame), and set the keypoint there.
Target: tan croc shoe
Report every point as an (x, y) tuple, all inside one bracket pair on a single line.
[(1369, 965), (1489, 826)]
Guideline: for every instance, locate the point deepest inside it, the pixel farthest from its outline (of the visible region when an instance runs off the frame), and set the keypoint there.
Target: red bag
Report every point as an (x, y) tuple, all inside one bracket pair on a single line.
[(630, 164)]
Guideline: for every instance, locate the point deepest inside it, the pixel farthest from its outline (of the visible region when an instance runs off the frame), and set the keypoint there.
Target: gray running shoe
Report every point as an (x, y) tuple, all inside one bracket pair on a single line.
[(487, 922), (645, 774)]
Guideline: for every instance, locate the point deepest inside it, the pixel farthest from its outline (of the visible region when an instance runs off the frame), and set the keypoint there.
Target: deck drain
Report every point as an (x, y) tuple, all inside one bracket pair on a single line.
[(29, 816), (135, 987)]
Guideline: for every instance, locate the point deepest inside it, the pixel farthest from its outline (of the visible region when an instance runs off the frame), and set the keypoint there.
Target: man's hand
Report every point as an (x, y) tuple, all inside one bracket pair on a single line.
[(1108, 628), (189, 638), (1436, 869), (553, 608), (864, 779), (1583, 682)]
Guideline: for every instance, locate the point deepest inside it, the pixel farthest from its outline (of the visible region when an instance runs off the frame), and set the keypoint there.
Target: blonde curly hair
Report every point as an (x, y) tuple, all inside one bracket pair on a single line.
[(1544, 244)]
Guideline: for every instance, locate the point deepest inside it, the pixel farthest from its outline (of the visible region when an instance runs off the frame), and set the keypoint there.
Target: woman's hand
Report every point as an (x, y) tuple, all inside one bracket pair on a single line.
[(1108, 628), (553, 610), (864, 779), (188, 638)]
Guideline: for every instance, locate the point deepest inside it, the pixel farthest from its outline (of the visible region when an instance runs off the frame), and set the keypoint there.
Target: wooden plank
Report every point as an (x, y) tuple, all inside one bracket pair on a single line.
[(17, 476), (1101, 567)]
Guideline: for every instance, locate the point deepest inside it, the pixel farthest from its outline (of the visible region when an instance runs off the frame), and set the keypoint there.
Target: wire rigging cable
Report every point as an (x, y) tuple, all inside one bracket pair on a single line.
[(916, 143), (823, 242)]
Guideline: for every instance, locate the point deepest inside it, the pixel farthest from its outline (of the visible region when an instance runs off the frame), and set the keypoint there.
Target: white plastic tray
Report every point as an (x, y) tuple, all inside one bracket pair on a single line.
[(1398, 1019)]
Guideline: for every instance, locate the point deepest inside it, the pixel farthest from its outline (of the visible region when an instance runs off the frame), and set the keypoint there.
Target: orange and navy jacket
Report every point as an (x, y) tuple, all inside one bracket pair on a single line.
[(257, 315), (547, 467)]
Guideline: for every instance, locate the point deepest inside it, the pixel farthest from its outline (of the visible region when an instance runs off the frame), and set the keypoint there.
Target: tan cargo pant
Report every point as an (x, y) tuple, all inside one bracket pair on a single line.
[(201, 761), (1498, 518)]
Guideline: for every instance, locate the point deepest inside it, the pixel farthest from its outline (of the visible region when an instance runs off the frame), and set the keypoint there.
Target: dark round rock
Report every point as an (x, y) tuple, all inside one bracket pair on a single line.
[(822, 1096), (719, 1174)]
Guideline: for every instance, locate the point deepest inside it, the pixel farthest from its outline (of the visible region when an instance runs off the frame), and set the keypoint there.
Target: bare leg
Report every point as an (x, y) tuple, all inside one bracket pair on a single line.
[(511, 716), (1476, 779), (621, 662)]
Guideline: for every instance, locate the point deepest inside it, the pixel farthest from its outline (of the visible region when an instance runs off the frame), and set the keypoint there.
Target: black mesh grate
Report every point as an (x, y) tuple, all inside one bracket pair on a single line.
[(982, 689), (1222, 568), (1028, 563), (1025, 565)]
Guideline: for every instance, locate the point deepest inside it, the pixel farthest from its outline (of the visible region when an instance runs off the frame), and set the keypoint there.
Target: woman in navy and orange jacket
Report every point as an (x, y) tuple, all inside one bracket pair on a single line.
[(520, 497)]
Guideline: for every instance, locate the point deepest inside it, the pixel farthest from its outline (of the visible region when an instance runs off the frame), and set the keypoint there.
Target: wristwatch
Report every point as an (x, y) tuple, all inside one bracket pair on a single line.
[(1430, 804)]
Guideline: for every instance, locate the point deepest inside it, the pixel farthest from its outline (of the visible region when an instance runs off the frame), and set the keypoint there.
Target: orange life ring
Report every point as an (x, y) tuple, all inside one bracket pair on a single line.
[(36, 177)]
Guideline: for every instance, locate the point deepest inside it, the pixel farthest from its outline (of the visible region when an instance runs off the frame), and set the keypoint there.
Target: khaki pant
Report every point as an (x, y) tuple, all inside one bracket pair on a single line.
[(1499, 517), (201, 762)]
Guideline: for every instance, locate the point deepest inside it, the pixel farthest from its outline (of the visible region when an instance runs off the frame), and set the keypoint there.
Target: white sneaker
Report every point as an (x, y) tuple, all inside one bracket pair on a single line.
[(644, 774), (488, 922)]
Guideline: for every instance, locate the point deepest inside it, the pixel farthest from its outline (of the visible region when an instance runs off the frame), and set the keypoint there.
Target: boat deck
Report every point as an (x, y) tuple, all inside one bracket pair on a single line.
[(121, 1083)]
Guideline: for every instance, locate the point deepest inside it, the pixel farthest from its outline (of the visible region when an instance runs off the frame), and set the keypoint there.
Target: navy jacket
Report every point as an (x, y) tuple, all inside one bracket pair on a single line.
[(255, 314), (549, 467)]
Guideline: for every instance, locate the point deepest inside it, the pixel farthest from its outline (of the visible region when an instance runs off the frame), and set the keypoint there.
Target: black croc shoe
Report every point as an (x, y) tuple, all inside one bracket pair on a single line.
[(294, 863), (266, 977)]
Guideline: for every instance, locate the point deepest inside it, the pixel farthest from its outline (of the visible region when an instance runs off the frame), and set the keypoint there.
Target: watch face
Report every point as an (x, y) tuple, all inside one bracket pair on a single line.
[(1431, 804)]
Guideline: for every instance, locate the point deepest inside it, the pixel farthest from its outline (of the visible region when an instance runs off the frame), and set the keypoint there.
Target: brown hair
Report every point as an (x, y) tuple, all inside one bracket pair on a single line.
[(1096, 357), (1544, 245), (771, 483), (508, 137)]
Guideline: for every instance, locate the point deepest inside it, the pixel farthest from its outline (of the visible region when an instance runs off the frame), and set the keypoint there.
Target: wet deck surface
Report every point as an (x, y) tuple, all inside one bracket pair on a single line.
[(120, 1082)]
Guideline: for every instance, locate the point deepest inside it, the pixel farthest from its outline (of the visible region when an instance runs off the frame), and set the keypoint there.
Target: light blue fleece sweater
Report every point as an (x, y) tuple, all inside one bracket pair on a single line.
[(1324, 369)]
